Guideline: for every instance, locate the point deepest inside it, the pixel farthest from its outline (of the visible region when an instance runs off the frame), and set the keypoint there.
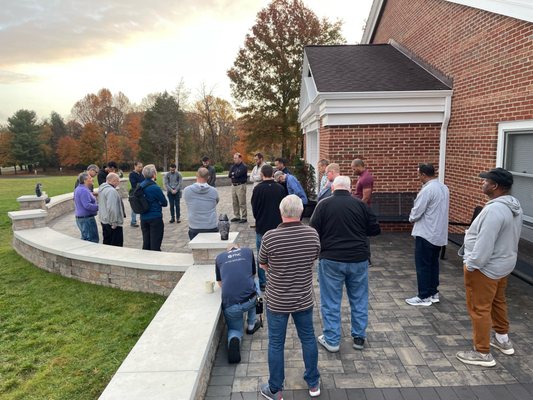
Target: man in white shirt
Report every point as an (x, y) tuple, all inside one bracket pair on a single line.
[(430, 218)]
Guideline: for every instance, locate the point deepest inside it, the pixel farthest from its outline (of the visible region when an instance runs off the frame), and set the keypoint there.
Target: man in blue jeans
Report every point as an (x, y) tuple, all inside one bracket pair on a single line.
[(288, 254), (235, 273), (343, 224)]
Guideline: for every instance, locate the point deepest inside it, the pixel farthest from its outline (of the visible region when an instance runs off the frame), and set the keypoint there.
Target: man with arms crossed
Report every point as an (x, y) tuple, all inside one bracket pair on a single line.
[(489, 254)]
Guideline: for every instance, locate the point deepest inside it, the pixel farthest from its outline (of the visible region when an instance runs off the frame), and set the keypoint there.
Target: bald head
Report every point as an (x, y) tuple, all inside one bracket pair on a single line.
[(113, 179)]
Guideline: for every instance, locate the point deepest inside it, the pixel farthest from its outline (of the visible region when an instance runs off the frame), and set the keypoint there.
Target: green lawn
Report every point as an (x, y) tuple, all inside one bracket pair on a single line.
[(59, 338)]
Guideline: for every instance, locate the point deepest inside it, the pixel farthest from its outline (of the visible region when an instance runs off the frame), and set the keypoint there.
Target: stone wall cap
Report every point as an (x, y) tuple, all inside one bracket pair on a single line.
[(211, 240), (51, 241), (27, 214), (60, 199), (31, 197)]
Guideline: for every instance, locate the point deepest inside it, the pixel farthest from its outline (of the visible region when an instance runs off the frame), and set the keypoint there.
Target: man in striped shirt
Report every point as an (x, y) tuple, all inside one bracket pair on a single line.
[(288, 254)]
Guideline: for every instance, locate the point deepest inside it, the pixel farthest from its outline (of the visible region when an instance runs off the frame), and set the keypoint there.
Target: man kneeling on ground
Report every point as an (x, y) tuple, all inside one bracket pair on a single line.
[(235, 273)]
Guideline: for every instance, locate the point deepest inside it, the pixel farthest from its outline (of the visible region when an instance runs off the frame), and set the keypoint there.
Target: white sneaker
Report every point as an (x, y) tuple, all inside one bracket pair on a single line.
[(332, 349), (435, 298), (417, 301)]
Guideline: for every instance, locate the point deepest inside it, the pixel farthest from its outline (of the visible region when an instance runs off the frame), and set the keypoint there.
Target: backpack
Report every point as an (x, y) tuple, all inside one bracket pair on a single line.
[(137, 199)]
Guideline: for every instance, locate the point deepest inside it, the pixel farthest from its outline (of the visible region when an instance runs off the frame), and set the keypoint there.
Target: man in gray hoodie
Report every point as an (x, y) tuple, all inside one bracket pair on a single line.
[(111, 211), (201, 200), (489, 255)]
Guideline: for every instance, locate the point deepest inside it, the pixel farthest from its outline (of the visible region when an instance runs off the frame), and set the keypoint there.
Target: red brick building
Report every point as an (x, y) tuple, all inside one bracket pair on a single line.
[(476, 113)]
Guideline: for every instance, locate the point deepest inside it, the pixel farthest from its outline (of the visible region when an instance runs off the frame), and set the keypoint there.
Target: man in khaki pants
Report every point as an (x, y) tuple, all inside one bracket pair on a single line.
[(239, 175), (489, 253)]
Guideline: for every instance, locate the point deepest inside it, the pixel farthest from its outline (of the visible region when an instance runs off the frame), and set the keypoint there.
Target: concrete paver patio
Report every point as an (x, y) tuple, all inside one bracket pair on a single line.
[(410, 351)]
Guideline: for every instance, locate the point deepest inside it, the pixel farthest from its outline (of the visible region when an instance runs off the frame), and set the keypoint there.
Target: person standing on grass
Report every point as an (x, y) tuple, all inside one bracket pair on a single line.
[(288, 254), (429, 217), (152, 225), (489, 254), (111, 211), (135, 178), (86, 208), (172, 183)]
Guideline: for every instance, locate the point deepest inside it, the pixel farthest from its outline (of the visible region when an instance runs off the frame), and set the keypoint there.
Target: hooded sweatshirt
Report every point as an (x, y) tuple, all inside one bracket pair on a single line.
[(110, 205), (491, 242), (201, 200)]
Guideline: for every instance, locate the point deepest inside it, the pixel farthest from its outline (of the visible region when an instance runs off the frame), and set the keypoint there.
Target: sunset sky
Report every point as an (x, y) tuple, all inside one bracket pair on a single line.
[(54, 52)]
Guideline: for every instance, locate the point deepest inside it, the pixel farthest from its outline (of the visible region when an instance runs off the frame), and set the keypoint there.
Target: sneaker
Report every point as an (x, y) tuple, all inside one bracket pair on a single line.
[(178, 221), (134, 225), (171, 221), (473, 357), (358, 343), (505, 348), (315, 391), (234, 351), (332, 349), (235, 220), (255, 328), (435, 298), (265, 392), (243, 221), (417, 301), (252, 225)]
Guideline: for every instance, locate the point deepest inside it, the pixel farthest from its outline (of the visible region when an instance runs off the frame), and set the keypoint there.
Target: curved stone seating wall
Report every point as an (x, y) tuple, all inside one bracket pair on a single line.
[(59, 205), (123, 268)]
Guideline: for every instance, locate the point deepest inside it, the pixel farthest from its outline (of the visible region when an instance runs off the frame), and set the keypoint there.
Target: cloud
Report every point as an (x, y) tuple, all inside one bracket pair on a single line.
[(33, 31), (9, 77)]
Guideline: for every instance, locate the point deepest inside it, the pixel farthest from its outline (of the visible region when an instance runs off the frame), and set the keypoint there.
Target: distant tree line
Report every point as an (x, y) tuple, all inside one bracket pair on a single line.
[(265, 83)]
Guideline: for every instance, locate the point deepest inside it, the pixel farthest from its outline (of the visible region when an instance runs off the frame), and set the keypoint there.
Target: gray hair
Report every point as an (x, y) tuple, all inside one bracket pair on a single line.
[(83, 177), (342, 183), (277, 174), (202, 173), (334, 168), (111, 177), (291, 206), (93, 167), (149, 171)]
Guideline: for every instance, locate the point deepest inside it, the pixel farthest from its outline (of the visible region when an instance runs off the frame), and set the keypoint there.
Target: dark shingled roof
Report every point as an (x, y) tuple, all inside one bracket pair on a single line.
[(367, 68)]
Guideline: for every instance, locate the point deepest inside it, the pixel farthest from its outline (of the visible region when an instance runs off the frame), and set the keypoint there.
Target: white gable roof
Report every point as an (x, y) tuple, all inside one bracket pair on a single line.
[(519, 9)]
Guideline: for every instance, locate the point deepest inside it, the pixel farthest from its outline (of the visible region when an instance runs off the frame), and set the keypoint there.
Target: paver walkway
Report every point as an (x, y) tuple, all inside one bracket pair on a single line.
[(410, 351)]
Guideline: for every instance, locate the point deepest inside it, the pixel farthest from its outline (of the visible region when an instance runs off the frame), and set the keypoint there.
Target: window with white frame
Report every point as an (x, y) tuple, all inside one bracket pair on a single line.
[(515, 153)]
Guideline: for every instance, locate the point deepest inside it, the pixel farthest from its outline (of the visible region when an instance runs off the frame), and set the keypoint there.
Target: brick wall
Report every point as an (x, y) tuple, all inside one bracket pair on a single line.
[(391, 152), (489, 57)]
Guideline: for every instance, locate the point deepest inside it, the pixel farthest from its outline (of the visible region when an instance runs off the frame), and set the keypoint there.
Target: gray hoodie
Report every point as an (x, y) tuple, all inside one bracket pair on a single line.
[(201, 200), (110, 208), (491, 242)]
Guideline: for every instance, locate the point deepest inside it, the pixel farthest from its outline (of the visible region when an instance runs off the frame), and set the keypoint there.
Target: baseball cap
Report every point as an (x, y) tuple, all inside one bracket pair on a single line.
[(499, 175)]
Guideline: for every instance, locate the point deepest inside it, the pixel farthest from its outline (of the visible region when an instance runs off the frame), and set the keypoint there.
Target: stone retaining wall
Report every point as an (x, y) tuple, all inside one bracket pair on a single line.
[(120, 277)]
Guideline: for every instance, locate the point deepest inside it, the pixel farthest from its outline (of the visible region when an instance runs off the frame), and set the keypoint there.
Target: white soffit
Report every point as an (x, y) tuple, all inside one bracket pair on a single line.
[(519, 9), (375, 108)]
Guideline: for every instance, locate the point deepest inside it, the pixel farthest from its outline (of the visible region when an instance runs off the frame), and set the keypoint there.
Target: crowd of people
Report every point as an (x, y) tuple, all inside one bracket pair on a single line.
[(337, 235)]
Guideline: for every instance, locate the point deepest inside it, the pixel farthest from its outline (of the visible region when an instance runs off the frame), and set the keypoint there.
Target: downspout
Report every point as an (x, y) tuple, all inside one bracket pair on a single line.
[(443, 137)]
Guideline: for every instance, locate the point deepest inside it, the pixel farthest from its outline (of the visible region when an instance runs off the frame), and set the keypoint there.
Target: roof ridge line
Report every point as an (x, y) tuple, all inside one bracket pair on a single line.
[(448, 81)]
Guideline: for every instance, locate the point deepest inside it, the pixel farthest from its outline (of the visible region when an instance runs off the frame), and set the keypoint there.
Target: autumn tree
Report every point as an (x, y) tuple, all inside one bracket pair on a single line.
[(6, 154), (92, 145), (25, 144), (265, 77), (102, 109), (68, 151), (216, 119), (159, 130), (131, 130)]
